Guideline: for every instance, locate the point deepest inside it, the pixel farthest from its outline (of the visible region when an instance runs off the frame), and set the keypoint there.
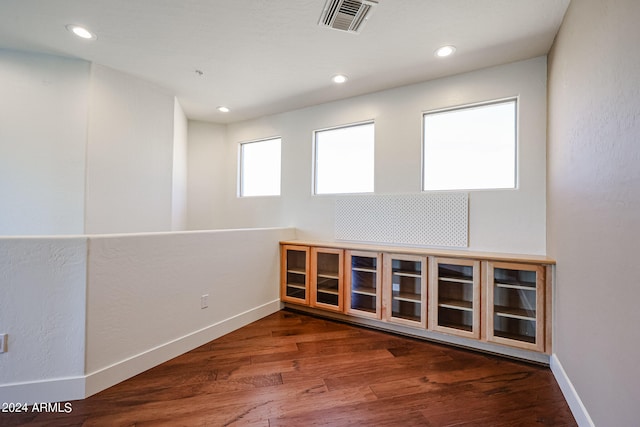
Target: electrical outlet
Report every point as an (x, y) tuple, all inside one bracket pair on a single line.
[(3, 342), (204, 301)]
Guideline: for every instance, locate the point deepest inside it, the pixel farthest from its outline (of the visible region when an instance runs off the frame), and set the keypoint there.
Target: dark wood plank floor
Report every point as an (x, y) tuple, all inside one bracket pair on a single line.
[(291, 369)]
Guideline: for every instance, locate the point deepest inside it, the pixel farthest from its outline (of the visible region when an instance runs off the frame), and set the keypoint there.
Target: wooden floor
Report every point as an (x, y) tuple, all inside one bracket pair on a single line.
[(291, 369)]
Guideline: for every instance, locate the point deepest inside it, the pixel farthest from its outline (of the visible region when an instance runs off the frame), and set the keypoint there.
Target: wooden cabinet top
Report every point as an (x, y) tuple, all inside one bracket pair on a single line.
[(449, 253)]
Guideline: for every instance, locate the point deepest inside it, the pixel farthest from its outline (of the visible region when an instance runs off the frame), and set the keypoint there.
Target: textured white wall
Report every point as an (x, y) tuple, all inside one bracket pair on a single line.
[(42, 308), (208, 172), (144, 290), (505, 220), (84, 313), (74, 136), (179, 172), (129, 155), (43, 130), (594, 204)]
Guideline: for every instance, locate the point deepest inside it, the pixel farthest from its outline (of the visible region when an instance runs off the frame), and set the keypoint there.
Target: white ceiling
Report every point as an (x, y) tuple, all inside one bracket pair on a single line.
[(261, 57)]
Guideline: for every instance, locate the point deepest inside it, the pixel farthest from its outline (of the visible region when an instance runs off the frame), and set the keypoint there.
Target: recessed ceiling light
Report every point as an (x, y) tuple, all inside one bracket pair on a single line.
[(81, 32), (339, 78), (223, 109), (445, 51)]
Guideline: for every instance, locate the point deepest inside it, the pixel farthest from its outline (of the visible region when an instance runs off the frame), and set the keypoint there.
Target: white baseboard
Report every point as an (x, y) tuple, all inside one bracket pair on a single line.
[(118, 372), (573, 400), (53, 390), (66, 389)]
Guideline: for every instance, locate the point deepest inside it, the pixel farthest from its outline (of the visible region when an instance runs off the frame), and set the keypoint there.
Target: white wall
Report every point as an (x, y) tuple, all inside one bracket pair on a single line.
[(207, 173), (594, 205), (144, 294), (506, 221), (42, 308), (84, 313), (129, 154), (43, 128), (84, 148), (179, 172)]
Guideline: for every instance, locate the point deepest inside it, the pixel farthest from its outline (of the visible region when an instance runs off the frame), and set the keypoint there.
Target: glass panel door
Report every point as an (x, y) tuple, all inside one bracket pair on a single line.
[(295, 274), (516, 305), (456, 297), (327, 278), (406, 286), (363, 283)]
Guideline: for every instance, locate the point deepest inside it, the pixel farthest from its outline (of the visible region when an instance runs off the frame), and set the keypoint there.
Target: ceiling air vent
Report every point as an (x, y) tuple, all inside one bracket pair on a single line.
[(346, 15)]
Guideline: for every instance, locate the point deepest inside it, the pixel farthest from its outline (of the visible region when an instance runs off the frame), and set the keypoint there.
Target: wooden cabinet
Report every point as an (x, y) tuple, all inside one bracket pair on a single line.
[(458, 297), (405, 284), (364, 283), (327, 284), (455, 296), (515, 305), (294, 274)]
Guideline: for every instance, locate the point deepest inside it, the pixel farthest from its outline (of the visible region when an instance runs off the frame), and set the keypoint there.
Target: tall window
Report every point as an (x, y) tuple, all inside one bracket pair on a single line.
[(344, 159), (470, 147), (260, 168)]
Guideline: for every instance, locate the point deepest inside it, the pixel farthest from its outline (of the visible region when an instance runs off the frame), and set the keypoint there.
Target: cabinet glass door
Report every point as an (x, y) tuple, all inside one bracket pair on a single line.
[(456, 297), (363, 283), (327, 278), (406, 285), (516, 305), (295, 274)]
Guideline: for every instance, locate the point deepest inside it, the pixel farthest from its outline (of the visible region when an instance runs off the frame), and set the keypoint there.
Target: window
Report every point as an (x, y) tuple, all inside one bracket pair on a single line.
[(344, 159), (470, 148), (260, 168)]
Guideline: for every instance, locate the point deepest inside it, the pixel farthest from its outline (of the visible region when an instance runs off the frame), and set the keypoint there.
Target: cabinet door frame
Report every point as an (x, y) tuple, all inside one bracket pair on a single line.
[(387, 284), (315, 251), (434, 286), (539, 344), (283, 273), (349, 254)]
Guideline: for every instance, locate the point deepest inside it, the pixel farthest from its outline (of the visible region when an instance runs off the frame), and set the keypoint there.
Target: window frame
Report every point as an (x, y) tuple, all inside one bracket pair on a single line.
[(314, 160), (516, 162), (240, 180)]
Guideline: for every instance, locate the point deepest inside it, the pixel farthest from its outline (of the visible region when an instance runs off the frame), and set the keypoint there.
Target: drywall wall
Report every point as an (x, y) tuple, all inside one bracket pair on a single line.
[(129, 154), (84, 313), (207, 174), (43, 128), (179, 172), (75, 134), (503, 221), (144, 294), (42, 308), (594, 205)]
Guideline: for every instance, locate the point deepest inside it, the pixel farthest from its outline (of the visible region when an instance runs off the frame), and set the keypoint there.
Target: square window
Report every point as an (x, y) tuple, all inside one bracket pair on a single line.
[(470, 148), (344, 159), (260, 168)]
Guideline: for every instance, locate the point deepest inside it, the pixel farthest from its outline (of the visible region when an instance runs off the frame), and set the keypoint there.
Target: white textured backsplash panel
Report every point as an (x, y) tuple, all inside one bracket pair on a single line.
[(430, 219)]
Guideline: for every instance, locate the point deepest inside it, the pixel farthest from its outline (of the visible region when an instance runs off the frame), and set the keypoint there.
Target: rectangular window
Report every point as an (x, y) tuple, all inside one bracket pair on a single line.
[(344, 159), (260, 168), (470, 148)]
